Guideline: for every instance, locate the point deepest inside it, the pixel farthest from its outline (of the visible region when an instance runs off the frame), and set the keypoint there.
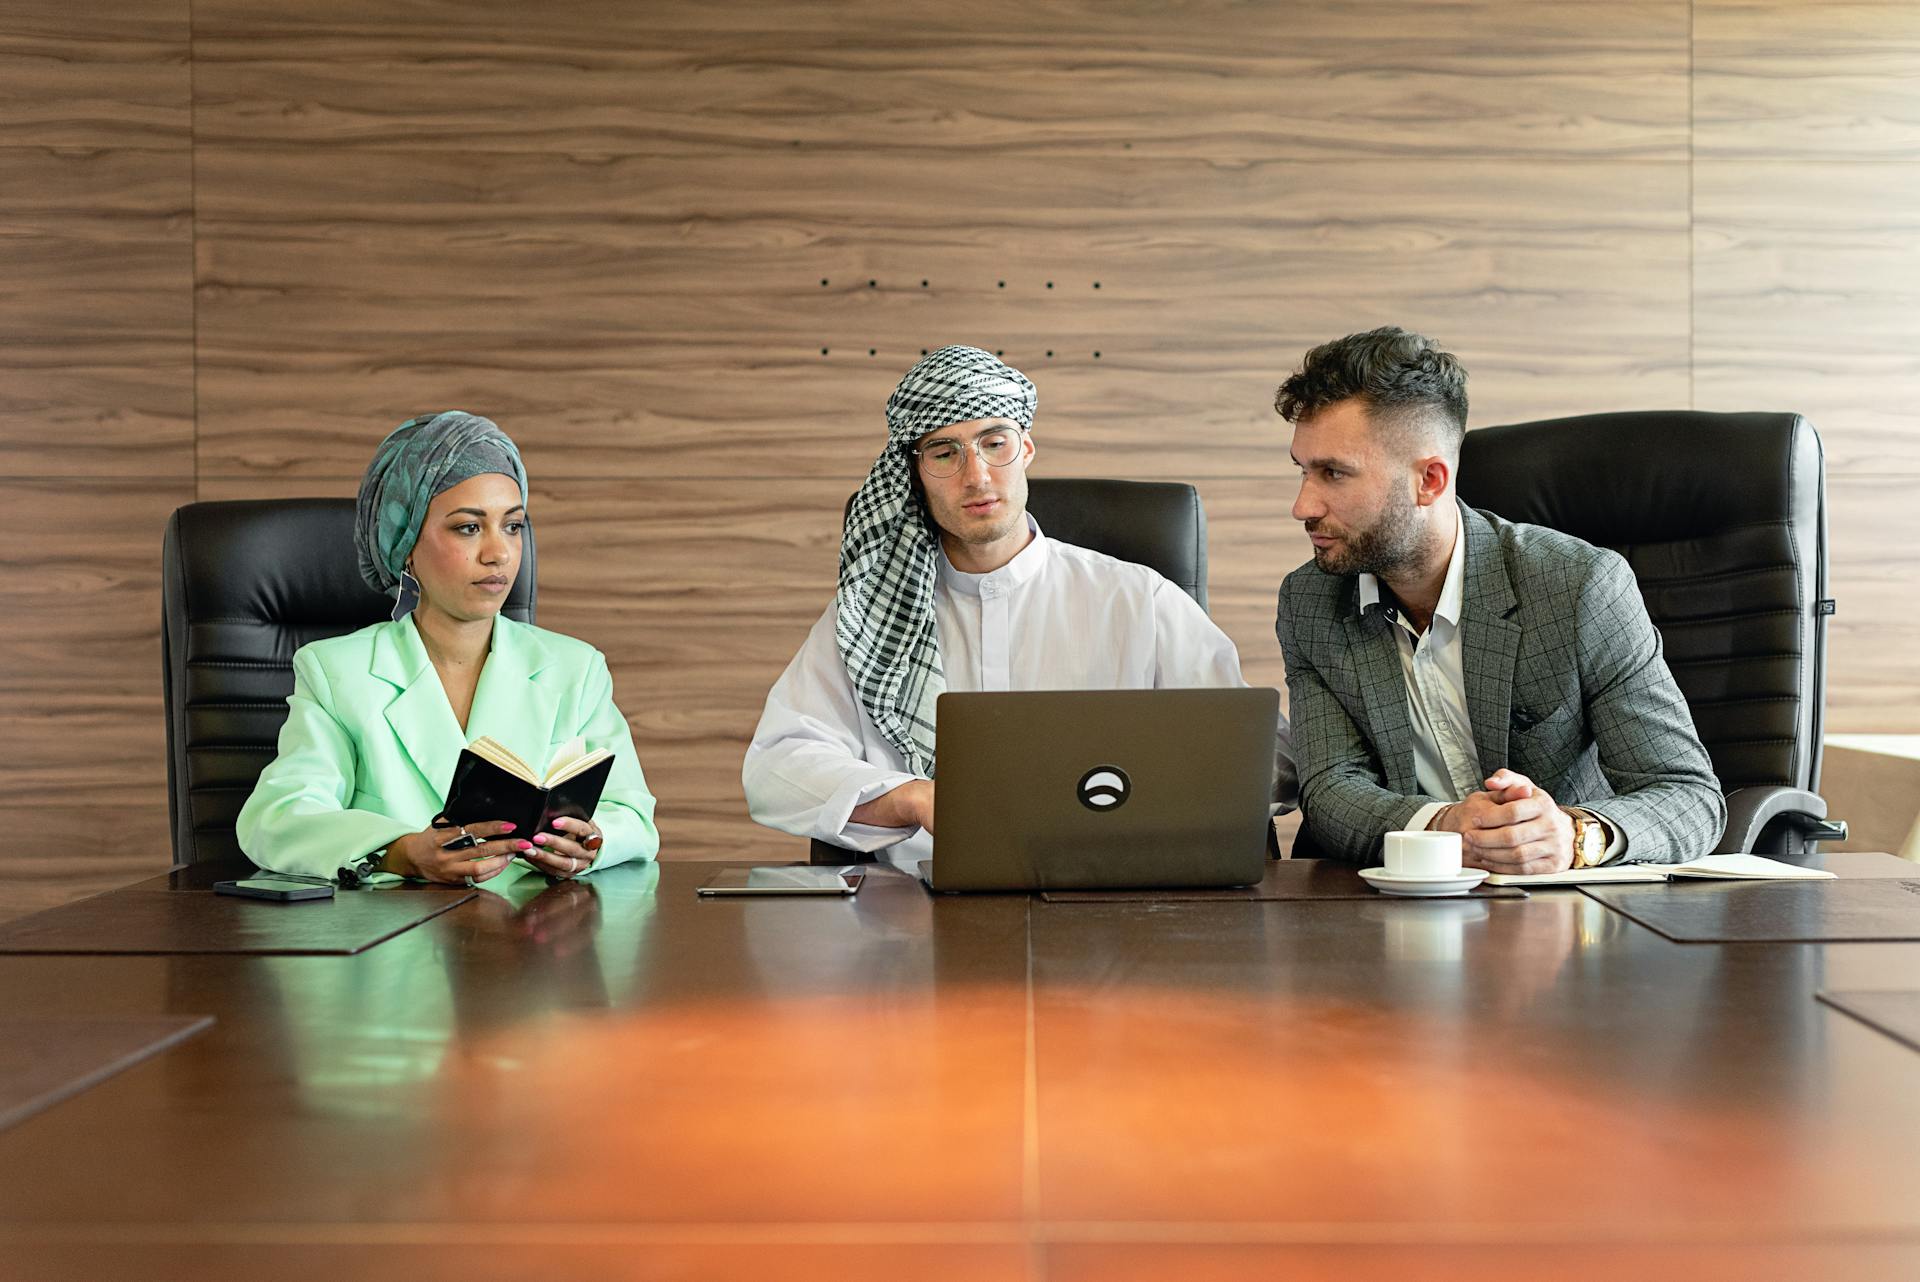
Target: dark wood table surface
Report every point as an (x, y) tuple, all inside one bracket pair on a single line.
[(180, 912), (624, 1080)]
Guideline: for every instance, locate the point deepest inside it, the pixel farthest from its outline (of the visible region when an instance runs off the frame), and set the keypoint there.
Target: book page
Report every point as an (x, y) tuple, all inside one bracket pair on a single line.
[(497, 753), (572, 758), (1581, 876), (1747, 866)]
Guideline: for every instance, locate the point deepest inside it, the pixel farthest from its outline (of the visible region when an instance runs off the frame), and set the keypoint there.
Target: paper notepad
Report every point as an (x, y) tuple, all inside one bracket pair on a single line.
[(1713, 867)]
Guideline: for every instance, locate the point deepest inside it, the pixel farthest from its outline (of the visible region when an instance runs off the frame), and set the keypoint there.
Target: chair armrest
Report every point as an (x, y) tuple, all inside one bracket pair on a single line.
[(1751, 810)]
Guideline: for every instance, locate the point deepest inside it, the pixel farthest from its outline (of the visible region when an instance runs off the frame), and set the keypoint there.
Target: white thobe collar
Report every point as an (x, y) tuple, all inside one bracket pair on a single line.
[(1026, 564), (1452, 588)]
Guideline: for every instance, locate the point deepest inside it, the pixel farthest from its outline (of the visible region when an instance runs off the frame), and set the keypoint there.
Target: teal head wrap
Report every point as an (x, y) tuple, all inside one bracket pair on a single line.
[(421, 458)]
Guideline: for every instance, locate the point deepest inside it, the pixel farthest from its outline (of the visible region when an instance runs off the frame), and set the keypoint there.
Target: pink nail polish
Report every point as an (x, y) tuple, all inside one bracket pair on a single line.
[(540, 840), (509, 828), (521, 845)]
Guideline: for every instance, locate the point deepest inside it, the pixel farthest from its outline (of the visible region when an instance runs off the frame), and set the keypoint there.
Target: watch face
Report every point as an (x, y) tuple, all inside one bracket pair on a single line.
[(1591, 838)]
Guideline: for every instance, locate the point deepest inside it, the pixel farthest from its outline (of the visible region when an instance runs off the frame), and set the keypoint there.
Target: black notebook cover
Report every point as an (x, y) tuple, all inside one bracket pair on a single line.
[(481, 791)]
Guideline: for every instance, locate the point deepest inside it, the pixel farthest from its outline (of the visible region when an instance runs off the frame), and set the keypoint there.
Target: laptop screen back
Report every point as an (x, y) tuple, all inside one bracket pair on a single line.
[(1103, 788)]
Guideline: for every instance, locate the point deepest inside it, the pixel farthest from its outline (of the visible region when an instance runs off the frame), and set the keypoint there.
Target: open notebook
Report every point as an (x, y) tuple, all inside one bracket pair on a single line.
[(1715, 867), (490, 782)]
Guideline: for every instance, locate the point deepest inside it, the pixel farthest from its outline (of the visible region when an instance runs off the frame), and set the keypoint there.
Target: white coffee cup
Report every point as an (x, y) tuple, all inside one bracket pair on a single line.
[(1423, 854)]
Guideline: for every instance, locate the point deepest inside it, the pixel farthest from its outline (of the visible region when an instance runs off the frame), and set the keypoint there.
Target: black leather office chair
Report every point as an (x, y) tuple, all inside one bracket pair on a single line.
[(1723, 519), (244, 585), (1159, 524)]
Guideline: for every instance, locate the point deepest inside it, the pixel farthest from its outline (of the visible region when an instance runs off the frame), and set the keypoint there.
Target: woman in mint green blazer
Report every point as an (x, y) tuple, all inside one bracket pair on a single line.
[(378, 718)]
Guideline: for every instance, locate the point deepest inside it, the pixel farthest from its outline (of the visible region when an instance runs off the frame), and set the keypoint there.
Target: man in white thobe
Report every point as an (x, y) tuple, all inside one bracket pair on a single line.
[(947, 584)]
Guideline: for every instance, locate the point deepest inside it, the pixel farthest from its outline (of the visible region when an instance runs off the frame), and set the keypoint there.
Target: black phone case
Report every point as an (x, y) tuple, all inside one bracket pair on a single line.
[(295, 891)]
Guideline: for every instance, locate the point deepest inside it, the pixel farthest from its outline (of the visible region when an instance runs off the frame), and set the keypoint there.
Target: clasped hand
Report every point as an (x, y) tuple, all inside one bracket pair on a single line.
[(430, 854), (1512, 826)]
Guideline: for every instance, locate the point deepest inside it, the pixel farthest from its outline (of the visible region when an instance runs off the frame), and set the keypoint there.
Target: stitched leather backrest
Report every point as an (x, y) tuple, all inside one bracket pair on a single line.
[(244, 585), (1723, 519), (1158, 524)]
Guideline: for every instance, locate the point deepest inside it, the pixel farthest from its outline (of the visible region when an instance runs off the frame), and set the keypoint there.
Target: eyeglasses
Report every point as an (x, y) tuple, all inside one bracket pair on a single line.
[(996, 448)]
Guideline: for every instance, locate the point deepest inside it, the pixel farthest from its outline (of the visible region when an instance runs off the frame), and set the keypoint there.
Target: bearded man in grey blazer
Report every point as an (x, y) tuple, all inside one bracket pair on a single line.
[(1454, 671)]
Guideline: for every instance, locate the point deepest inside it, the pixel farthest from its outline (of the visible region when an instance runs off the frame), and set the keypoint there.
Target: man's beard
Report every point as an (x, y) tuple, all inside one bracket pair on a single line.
[(1396, 540)]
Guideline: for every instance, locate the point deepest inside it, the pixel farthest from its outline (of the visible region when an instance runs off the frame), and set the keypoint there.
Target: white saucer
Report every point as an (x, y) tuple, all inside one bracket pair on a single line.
[(1424, 887)]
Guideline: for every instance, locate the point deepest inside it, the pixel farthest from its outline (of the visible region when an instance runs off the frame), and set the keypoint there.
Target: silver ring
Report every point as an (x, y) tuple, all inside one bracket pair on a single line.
[(573, 866), (471, 883)]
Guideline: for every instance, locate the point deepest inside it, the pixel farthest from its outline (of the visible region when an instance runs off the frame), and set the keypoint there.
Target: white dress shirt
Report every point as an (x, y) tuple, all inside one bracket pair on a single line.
[(1445, 762), (1055, 617)]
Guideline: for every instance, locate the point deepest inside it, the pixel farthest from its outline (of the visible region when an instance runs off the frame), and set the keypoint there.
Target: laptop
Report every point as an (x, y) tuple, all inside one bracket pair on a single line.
[(1102, 789)]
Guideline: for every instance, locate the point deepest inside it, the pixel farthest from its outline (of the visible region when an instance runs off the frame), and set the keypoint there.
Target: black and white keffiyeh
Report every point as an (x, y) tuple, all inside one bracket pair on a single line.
[(889, 551)]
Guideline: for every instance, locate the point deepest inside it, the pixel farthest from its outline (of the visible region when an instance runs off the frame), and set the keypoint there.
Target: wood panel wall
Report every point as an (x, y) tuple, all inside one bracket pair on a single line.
[(97, 425), (1807, 292), (682, 251)]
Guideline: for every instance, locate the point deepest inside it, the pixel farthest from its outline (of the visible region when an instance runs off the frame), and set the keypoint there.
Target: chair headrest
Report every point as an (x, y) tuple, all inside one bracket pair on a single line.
[(1656, 476)]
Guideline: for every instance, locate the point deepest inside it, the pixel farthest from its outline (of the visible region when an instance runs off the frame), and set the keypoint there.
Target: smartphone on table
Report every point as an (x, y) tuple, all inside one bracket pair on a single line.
[(279, 889)]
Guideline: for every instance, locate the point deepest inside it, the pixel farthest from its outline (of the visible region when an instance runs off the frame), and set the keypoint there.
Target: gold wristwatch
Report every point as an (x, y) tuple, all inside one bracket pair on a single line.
[(1589, 838)]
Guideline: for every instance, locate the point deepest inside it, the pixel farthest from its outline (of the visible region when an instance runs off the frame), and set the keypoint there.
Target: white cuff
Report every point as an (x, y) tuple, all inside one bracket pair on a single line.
[(836, 815)]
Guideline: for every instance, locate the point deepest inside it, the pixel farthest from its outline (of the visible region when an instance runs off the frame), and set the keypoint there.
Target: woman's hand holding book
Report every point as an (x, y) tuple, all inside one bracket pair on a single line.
[(568, 851), (447, 855)]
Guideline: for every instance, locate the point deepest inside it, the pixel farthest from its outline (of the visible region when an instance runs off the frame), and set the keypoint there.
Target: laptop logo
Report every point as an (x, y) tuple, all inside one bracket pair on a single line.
[(1104, 788)]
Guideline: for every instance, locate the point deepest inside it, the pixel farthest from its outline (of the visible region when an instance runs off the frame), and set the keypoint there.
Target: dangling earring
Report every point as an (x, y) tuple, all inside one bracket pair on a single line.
[(407, 596)]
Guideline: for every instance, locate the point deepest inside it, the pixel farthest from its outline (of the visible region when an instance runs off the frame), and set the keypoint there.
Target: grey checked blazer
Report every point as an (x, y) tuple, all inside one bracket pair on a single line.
[(1565, 684)]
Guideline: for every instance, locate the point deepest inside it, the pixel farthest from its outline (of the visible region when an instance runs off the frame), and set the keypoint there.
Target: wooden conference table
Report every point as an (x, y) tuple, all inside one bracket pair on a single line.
[(626, 1081)]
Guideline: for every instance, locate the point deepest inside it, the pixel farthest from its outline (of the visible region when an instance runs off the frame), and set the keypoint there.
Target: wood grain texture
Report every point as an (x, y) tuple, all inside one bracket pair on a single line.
[(1807, 297), (709, 998), (1071, 1254), (80, 662), (660, 1258), (667, 316), (1873, 684), (1445, 1261), (32, 885), (1253, 542), (1094, 1085), (1395, 77), (1118, 1036), (95, 75), (96, 364), (1779, 79), (96, 380)]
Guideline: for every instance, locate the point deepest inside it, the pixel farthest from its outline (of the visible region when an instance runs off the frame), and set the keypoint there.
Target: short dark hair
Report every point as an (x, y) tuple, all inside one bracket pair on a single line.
[(1403, 378)]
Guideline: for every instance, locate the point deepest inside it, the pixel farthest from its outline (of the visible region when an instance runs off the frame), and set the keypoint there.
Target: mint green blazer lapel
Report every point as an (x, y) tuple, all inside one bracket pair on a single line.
[(419, 715), (512, 704)]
